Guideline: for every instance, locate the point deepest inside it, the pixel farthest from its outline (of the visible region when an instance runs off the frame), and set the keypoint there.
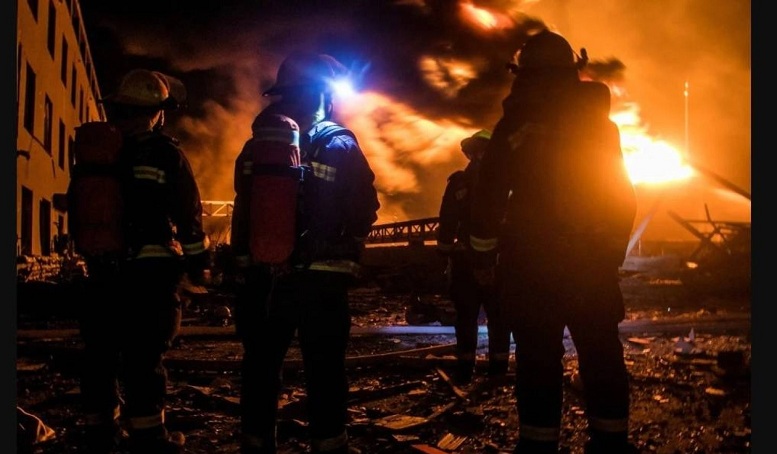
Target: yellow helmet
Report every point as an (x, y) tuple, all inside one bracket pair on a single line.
[(143, 88)]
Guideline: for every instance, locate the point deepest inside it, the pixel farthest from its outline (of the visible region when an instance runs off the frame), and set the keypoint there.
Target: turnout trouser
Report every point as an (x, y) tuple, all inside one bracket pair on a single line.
[(128, 319), (547, 287), (314, 305), (468, 296)]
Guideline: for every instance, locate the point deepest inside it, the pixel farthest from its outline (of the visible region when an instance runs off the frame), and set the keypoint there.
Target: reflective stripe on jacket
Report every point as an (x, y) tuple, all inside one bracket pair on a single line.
[(340, 205), (162, 201)]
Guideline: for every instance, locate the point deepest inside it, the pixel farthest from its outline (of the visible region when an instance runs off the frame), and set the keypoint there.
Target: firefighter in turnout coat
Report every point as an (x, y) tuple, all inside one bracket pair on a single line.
[(467, 294), (554, 197), (132, 311), (308, 296)]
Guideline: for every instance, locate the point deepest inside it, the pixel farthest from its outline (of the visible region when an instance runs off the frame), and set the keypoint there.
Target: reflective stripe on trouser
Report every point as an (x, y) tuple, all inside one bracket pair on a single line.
[(609, 434), (539, 434), (147, 422), (608, 425), (323, 445)]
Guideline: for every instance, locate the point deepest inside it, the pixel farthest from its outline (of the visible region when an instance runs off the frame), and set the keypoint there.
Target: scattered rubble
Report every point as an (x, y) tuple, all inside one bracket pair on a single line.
[(689, 364)]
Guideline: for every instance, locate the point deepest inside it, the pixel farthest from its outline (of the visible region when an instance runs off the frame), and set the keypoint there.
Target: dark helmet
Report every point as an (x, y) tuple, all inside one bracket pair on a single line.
[(475, 143), (546, 50), (306, 69)]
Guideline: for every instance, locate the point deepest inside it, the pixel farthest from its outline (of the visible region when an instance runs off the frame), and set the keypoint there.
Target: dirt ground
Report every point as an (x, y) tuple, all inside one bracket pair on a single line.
[(688, 356)]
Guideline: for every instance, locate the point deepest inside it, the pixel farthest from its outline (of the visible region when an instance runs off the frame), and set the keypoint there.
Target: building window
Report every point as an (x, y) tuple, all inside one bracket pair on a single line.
[(62, 152), (34, 8), (52, 33), (63, 62), (48, 124), (25, 240), (45, 227), (73, 85), (29, 101)]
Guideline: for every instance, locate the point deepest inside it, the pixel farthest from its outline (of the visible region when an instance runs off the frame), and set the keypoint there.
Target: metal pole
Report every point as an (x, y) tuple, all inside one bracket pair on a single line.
[(687, 139)]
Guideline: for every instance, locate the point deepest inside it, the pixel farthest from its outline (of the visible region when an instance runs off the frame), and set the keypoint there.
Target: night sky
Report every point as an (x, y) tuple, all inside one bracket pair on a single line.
[(429, 75)]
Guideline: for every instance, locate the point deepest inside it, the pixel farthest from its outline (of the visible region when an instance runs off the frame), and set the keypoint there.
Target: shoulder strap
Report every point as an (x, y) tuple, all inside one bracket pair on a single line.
[(323, 131)]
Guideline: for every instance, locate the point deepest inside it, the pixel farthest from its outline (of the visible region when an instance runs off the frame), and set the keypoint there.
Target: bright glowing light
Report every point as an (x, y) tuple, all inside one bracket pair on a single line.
[(343, 88), (648, 160)]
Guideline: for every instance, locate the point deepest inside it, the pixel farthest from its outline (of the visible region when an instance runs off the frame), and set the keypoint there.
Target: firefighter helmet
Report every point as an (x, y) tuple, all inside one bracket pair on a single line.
[(546, 50), (475, 143), (306, 69), (143, 88)]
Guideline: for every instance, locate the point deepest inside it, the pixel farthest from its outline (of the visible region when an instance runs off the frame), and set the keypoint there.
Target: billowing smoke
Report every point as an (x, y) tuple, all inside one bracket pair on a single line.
[(431, 72)]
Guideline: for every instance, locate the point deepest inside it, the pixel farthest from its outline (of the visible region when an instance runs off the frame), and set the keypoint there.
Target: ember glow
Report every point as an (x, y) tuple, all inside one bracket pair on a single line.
[(483, 18)]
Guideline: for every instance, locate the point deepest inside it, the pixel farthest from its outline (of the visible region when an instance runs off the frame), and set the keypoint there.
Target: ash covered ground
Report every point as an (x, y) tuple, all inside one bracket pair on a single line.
[(688, 354)]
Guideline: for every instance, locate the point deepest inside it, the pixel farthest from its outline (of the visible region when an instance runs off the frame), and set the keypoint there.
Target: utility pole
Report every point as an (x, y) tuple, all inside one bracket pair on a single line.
[(686, 94)]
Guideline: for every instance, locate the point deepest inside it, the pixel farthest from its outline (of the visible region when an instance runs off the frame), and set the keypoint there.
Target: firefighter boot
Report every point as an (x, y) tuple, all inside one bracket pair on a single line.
[(103, 438)]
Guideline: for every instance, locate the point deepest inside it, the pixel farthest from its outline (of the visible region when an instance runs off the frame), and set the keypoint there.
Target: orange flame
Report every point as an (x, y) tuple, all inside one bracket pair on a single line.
[(648, 160), (483, 19)]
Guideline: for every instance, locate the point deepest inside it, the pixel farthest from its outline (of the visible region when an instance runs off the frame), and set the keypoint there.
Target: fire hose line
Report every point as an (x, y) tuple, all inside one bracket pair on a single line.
[(419, 357), (710, 324)]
